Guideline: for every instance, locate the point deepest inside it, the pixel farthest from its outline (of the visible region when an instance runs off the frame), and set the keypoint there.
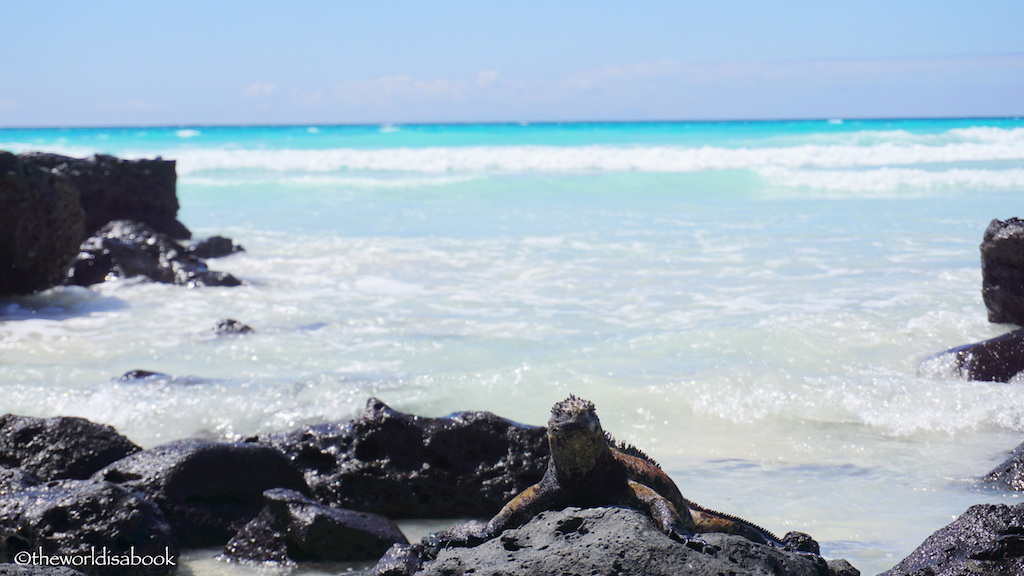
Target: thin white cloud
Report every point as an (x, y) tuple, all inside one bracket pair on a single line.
[(259, 90), (671, 89), (385, 89), (487, 78)]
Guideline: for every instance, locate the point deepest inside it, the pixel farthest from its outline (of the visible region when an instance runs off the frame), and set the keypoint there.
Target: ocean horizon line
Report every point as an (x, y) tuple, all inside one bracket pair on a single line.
[(834, 119)]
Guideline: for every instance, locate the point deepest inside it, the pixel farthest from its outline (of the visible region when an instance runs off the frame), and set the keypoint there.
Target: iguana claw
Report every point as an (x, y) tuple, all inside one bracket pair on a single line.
[(695, 543)]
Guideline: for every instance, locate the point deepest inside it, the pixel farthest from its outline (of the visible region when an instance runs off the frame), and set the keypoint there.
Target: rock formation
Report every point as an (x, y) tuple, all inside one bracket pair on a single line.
[(126, 249), (207, 490), (116, 189), (60, 447), (293, 528), (612, 541), (986, 539), (404, 466), (998, 359), (214, 247), (81, 518), (41, 226), (1002, 271)]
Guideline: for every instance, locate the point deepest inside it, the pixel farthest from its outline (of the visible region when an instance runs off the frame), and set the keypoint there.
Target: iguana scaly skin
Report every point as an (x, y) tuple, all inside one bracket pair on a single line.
[(588, 469)]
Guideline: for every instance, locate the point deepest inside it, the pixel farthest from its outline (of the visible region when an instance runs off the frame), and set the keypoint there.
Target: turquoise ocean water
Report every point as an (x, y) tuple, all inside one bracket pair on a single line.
[(752, 303)]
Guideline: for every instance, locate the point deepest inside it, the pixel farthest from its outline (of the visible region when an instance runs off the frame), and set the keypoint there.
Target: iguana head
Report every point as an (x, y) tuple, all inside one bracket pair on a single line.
[(575, 437)]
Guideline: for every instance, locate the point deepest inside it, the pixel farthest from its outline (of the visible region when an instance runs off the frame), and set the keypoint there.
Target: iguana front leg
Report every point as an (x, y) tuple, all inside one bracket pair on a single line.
[(678, 525), (520, 510), (517, 512)]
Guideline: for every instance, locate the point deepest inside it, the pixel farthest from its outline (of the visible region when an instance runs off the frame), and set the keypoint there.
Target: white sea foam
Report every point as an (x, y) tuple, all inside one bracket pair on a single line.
[(764, 352), (890, 179), (331, 181), (962, 146)]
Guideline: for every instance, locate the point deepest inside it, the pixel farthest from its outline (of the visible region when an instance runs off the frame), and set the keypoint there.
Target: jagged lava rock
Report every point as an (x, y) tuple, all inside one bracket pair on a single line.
[(986, 539), (207, 490), (998, 359), (615, 541), (125, 249), (1009, 474), (116, 189), (60, 447), (404, 466), (78, 517), (41, 226), (1002, 271), (293, 528)]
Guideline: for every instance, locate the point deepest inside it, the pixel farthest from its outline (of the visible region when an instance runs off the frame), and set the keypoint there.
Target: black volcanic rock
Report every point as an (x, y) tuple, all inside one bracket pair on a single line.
[(608, 541), (125, 249), (80, 518), (207, 490), (146, 377), (117, 189), (986, 539), (41, 226), (293, 528), (1009, 474), (231, 327), (214, 247), (404, 466), (60, 447), (995, 360), (1002, 271)]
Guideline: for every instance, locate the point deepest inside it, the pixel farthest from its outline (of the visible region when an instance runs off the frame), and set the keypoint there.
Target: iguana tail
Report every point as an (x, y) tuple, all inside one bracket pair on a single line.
[(643, 469)]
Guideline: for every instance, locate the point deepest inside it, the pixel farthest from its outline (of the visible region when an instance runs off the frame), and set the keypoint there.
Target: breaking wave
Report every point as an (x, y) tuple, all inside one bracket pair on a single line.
[(594, 158)]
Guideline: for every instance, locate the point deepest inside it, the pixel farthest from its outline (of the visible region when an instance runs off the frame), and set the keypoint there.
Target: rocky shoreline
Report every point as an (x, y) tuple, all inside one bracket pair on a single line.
[(321, 493), (332, 492), (82, 221)]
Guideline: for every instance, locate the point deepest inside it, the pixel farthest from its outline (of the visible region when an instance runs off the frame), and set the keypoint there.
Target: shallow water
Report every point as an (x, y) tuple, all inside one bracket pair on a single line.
[(750, 303)]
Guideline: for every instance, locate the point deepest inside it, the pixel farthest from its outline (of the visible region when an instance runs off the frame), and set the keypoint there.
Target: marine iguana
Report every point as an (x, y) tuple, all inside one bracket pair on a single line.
[(588, 468)]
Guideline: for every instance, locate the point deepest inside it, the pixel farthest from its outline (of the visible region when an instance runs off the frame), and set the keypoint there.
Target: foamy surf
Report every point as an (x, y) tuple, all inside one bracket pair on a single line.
[(769, 348), (555, 159)]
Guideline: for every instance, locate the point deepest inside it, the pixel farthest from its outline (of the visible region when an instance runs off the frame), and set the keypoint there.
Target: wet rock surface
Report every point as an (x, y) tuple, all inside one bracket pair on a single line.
[(995, 360), (1001, 358), (147, 377), (207, 490), (82, 518), (293, 528), (986, 539), (611, 541), (41, 226), (126, 249), (60, 447), (1002, 271), (404, 466), (214, 247), (1009, 474)]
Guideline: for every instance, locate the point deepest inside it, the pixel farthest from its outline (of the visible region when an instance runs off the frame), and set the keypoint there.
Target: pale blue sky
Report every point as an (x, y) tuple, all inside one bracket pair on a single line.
[(70, 63)]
